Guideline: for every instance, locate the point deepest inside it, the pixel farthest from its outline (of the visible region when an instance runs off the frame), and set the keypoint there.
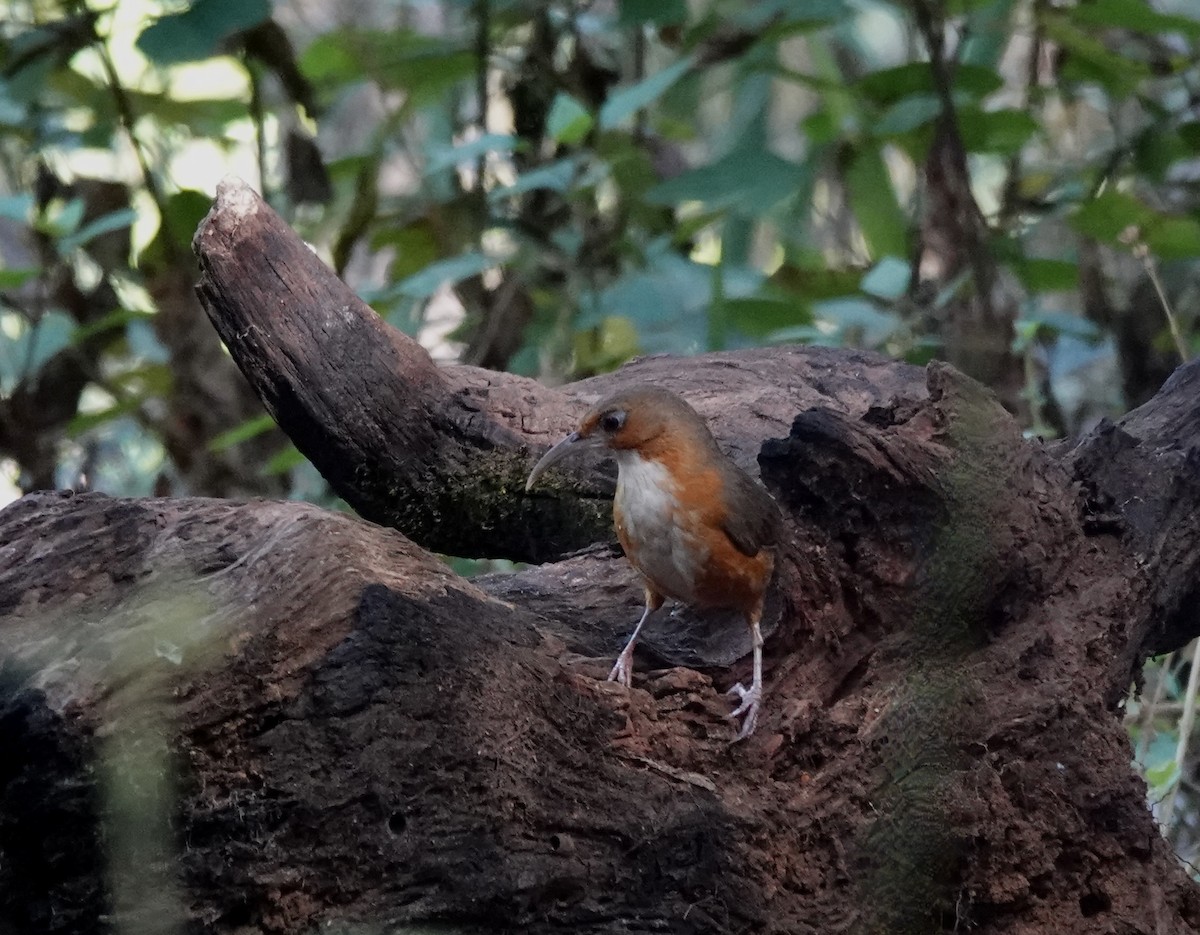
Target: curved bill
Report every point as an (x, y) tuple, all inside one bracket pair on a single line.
[(573, 442)]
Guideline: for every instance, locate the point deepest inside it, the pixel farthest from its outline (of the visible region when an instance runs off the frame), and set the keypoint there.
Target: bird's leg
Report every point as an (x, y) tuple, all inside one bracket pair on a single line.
[(751, 697), (623, 670)]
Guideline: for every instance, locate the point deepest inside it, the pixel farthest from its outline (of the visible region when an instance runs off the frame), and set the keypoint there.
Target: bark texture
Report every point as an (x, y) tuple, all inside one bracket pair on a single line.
[(263, 717)]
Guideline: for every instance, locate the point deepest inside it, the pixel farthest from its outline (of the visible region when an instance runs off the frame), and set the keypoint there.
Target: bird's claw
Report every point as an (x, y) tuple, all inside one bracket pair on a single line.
[(622, 672), (751, 699)]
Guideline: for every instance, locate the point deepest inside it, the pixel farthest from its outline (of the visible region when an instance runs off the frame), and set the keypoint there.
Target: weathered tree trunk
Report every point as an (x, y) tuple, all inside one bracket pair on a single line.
[(266, 717)]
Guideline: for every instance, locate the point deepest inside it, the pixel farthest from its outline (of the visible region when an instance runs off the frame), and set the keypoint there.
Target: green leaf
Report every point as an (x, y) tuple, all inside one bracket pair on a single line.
[(251, 428), (184, 211), (668, 300), (995, 131), (35, 344), (114, 220), (84, 422), (856, 321), (1090, 60), (61, 218), (199, 31), (1040, 323), (1163, 776), (424, 67), (1134, 15), (16, 278), (759, 316), (555, 176), (655, 12), (626, 102), (1107, 216), (1190, 134), (750, 181), (893, 84), (1173, 238), (290, 457), (425, 283), (1039, 275), (907, 114), (16, 207), (873, 199), (415, 247), (888, 279), (446, 157), (117, 318), (568, 121)]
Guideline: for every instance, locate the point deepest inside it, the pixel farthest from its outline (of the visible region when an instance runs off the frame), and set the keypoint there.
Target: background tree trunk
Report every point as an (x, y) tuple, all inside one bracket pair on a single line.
[(267, 717)]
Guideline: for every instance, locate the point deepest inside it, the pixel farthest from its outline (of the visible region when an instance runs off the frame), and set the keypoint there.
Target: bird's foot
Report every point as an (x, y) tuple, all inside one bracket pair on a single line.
[(622, 672), (751, 701)]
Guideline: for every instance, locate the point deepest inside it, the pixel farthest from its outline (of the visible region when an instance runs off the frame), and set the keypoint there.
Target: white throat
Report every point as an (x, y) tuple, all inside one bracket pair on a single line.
[(662, 548)]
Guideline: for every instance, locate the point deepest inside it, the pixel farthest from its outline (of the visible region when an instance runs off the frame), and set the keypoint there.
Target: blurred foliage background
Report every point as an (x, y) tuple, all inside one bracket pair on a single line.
[(553, 187)]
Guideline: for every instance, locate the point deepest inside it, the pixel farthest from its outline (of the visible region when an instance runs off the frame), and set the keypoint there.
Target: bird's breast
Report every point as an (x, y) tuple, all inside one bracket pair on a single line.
[(655, 528)]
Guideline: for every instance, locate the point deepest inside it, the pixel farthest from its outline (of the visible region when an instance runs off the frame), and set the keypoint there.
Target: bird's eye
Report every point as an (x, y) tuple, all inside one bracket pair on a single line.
[(612, 421)]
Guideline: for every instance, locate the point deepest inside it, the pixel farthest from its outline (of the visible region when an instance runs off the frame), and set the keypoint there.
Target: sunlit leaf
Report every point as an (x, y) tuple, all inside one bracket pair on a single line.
[(568, 121), (605, 346), (290, 457)]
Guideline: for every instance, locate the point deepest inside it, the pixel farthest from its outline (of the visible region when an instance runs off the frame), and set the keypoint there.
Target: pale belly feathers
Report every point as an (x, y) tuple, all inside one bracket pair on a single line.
[(658, 546)]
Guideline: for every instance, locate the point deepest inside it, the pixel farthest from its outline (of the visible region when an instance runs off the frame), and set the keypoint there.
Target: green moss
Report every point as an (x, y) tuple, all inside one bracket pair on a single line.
[(912, 851)]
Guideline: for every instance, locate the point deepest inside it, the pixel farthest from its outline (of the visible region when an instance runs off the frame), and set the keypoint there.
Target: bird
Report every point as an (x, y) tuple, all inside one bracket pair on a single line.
[(695, 526)]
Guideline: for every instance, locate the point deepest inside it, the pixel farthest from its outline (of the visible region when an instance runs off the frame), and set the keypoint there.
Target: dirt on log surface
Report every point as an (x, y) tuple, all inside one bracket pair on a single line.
[(265, 717)]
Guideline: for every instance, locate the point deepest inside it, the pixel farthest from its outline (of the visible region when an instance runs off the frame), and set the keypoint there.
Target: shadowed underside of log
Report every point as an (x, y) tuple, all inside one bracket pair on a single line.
[(264, 717)]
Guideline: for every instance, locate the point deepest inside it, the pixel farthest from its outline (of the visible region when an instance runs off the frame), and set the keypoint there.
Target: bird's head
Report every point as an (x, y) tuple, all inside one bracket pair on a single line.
[(644, 419)]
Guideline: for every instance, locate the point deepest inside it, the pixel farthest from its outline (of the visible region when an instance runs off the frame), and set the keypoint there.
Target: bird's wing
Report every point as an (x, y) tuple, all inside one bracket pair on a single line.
[(752, 518)]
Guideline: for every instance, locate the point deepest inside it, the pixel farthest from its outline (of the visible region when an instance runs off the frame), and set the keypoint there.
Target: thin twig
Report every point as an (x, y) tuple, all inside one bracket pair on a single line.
[(1186, 721), (128, 119), (258, 117), (1132, 236)]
